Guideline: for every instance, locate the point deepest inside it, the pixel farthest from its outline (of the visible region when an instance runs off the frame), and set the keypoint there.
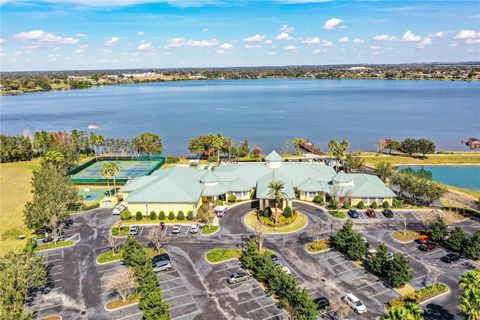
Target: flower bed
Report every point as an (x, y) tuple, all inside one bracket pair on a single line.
[(120, 232), (55, 245), (119, 303), (222, 254), (110, 257), (337, 214), (407, 237), (318, 246), (282, 221), (420, 295), (206, 230), (252, 222)]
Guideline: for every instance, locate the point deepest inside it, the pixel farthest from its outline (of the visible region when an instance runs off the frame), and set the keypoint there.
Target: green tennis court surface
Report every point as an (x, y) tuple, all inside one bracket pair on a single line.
[(128, 169)]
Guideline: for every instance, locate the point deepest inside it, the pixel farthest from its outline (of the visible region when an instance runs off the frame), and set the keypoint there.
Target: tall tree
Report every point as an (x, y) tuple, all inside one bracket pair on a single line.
[(397, 271), (470, 299), (153, 307), (409, 146), (425, 146), (338, 150), (18, 273), (354, 162), (123, 283), (54, 196), (106, 173), (148, 143), (297, 142), (277, 193)]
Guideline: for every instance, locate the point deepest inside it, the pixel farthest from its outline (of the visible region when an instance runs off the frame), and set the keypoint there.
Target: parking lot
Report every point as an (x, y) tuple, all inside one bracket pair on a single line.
[(243, 300)]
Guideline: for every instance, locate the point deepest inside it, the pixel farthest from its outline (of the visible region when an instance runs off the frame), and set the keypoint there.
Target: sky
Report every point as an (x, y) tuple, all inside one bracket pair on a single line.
[(113, 34)]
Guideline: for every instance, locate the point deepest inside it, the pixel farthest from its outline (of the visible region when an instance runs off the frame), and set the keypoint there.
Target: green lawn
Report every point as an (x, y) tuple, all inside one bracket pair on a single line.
[(206, 230), (317, 246), (298, 224), (222, 254), (15, 192), (55, 245), (470, 158)]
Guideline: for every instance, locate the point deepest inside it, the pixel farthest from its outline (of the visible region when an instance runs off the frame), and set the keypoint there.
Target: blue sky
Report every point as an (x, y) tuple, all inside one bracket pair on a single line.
[(109, 34)]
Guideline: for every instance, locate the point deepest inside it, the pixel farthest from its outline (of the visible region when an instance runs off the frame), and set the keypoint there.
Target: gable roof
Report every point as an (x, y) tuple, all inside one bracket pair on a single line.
[(367, 185), (263, 184), (273, 157), (341, 177)]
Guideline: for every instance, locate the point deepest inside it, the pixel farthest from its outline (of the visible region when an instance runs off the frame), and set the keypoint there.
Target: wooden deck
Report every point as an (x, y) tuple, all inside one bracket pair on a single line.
[(310, 147)]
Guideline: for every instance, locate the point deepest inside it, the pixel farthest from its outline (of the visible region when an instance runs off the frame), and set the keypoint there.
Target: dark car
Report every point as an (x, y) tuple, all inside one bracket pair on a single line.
[(322, 303), (162, 225), (238, 277), (450, 258), (428, 246), (353, 213), (388, 213), (371, 213)]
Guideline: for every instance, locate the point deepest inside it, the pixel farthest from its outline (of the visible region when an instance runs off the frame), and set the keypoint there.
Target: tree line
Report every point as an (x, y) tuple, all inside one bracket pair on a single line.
[(409, 146)]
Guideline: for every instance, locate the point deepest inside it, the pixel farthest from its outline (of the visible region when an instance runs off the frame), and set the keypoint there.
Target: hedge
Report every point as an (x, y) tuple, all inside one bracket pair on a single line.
[(153, 215), (138, 215), (171, 215), (180, 215)]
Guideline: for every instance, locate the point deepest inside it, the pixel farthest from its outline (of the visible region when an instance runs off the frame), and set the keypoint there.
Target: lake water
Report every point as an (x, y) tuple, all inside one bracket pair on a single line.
[(458, 176), (267, 112)]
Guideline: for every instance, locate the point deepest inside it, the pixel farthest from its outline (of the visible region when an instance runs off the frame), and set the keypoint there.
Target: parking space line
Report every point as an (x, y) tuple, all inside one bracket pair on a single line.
[(51, 261), (225, 269), (173, 288), (339, 273), (130, 316), (379, 293), (56, 266), (365, 275), (329, 257), (183, 305), (269, 305), (168, 272), (250, 300), (275, 315), (49, 307), (56, 273), (165, 281), (434, 251), (105, 270), (367, 285), (337, 264), (53, 254), (418, 277), (188, 314), (176, 297)]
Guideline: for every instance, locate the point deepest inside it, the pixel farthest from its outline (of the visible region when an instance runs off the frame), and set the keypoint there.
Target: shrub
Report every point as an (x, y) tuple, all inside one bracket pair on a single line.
[(171, 215), (30, 245), (218, 202), (125, 215), (361, 205), (153, 215), (172, 159), (232, 198), (267, 212), (287, 212), (337, 214), (333, 204), (138, 215), (374, 205), (346, 205), (180, 215), (212, 159), (385, 205), (90, 207), (397, 203), (190, 215), (318, 199), (161, 215)]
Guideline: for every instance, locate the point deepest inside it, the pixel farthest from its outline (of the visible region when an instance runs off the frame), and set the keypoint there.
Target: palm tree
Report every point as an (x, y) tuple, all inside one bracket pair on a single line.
[(415, 310), (114, 169), (470, 300), (338, 150), (275, 191), (106, 173), (398, 313)]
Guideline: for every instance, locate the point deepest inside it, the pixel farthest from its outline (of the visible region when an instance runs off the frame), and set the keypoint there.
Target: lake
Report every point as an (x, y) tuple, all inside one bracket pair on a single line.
[(459, 176), (267, 112)]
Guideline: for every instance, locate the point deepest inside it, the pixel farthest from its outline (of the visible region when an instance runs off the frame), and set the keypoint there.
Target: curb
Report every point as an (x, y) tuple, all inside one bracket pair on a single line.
[(438, 296), (53, 315), (276, 233), (321, 251), (210, 234), (401, 242), (220, 262), (104, 263), (120, 308), (62, 247)]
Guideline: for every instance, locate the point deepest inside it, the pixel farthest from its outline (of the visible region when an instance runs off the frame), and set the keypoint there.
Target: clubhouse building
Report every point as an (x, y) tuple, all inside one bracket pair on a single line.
[(185, 189)]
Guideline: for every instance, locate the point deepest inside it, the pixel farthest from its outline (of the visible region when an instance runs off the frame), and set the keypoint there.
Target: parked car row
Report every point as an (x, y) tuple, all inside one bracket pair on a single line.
[(354, 214), (194, 228)]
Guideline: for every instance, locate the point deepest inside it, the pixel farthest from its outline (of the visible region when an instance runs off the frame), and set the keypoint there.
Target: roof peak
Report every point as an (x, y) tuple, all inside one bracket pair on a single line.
[(273, 157)]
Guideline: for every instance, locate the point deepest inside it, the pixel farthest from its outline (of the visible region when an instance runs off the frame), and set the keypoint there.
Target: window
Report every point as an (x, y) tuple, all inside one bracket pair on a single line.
[(380, 200), (364, 200)]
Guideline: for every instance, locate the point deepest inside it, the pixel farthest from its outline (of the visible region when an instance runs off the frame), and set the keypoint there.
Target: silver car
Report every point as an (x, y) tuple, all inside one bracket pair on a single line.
[(238, 277), (163, 265), (134, 230)]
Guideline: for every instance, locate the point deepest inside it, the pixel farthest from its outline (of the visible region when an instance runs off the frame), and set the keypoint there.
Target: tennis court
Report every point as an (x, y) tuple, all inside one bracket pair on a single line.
[(128, 169)]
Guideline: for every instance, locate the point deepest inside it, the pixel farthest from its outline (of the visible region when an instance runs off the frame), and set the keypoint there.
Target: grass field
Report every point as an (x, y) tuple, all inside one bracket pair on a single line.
[(14, 193), (459, 159)]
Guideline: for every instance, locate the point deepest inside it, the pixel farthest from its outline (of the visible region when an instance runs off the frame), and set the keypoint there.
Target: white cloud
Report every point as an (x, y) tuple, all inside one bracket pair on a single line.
[(2, 41), (286, 28), (291, 48), (126, 3), (221, 51), (384, 37), (438, 34), (255, 38), (113, 41), (140, 33), (375, 47), (176, 43), (470, 36), (144, 47), (318, 51), (80, 35), (301, 1), (283, 36), (253, 46), (343, 39), (425, 42), (268, 42), (332, 23), (18, 52), (327, 44), (203, 43), (314, 40), (79, 51), (358, 40), (409, 36), (43, 37), (226, 46), (205, 29)]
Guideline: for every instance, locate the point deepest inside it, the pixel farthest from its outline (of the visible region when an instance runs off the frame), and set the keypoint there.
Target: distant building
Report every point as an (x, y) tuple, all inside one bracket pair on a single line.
[(185, 189)]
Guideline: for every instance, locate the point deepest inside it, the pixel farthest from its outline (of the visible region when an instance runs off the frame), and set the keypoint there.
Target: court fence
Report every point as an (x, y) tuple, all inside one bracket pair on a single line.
[(160, 160)]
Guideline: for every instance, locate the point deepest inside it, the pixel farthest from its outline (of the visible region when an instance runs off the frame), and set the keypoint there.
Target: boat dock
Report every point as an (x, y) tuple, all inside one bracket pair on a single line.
[(311, 147)]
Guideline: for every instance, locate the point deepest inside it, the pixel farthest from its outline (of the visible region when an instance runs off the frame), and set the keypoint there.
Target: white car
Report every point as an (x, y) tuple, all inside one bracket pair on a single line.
[(194, 228), (355, 303), (176, 229), (134, 230), (119, 209)]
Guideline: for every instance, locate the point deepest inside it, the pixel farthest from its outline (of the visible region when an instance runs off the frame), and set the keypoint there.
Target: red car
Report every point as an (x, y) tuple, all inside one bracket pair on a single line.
[(371, 213), (428, 246), (162, 225), (423, 238)]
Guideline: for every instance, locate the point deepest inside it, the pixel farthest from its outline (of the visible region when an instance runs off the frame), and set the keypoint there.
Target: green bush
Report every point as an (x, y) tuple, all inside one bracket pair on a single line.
[(287, 212), (346, 205), (171, 215), (138, 215), (172, 159), (180, 216), (218, 202), (267, 212), (189, 215), (161, 215), (374, 205), (361, 205), (337, 214), (385, 205), (125, 215), (397, 203), (232, 198), (30, 245), (212, 159), (90, 207), (153, 215), (333, 204), (318, 199)]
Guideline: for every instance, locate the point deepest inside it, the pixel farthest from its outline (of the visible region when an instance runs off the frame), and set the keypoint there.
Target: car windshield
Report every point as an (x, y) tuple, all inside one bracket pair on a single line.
[(358, 303)]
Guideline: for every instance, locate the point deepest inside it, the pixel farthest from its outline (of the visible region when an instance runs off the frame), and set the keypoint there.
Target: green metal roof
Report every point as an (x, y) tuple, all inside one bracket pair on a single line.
[(341, 177), (311, 185), (367, 185), (209, 177), (263, 184), (273, 157)]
